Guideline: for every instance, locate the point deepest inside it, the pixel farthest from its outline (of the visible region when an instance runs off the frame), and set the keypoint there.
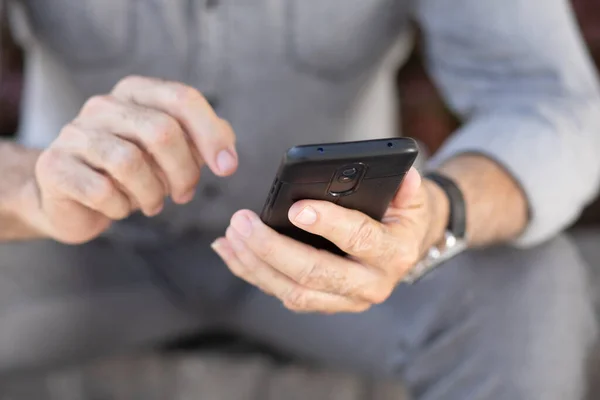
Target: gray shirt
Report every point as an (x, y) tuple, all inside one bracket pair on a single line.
[(287, 72)]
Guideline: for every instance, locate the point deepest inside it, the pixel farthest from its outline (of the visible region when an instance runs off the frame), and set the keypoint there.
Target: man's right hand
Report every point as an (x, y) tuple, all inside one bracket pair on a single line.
[(127, 151)]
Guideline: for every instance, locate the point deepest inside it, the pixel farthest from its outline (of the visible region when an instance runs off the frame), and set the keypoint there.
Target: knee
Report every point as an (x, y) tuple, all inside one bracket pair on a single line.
[(526, 318), (61, 303)]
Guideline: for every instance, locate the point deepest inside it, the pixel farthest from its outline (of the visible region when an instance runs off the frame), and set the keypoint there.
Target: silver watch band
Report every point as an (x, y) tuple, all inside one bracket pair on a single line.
[(450, 247)]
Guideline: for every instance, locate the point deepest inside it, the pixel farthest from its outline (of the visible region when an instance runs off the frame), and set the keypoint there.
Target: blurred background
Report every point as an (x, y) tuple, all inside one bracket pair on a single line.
[(205, 368)]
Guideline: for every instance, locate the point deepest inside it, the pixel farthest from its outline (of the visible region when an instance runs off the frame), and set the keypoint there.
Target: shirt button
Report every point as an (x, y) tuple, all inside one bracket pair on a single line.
[(211, 191)]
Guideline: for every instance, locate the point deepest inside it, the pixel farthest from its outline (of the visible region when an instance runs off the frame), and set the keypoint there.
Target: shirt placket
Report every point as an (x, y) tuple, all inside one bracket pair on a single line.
[(206, 56)]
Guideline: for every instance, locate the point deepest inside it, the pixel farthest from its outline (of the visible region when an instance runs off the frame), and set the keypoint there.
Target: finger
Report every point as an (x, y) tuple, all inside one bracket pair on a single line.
[(162, 177), (408, 189), (307, 266), (293, 296), (73, 180), (212, 136), (155, 132), (222, 247), (352, 231), (122, 160), (254, 270)]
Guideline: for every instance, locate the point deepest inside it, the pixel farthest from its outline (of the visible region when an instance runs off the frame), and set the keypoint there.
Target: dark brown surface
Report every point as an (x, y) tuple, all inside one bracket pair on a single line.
[(11, 68)]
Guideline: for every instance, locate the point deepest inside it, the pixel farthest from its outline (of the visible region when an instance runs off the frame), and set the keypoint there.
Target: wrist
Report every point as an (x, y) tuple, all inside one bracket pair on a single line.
[(20, 213), (439, 214), (17, 167)]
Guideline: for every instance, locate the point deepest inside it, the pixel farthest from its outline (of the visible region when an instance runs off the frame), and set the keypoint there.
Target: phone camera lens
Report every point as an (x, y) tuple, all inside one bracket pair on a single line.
[(348, 175), (350, 172)]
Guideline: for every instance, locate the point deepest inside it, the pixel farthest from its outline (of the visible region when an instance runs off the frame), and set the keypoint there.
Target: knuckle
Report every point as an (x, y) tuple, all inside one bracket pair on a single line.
[(267, 251), (390, 256), (317, 274), (99, 191), (128, 81), (48, 160), (69, 132), (126, 159), (162, 130), (361, 239), (47, 167), (296, 298), (97, 103), (380, 295), (312, 274), (184, 95)]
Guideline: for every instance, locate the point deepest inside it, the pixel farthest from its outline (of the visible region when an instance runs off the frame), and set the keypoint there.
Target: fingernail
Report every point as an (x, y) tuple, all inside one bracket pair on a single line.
[(226, 161), (216, 245), (219, 248), (307, 216), (242, 225), (390, 220)]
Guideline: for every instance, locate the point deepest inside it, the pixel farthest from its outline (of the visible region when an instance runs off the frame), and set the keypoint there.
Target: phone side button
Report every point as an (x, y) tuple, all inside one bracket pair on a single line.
[(274, 194), (266, 211), (274, 186)]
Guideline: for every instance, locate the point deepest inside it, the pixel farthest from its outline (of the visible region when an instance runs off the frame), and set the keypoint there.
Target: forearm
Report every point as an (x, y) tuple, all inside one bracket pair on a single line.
[(495, 204), (532, 109), (17, 166)]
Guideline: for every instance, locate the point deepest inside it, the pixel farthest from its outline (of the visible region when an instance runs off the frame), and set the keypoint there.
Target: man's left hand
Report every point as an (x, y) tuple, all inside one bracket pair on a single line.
[(306, 279)]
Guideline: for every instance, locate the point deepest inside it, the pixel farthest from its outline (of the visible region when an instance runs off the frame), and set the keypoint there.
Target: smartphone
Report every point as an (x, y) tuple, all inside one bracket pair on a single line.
[(362, 175)]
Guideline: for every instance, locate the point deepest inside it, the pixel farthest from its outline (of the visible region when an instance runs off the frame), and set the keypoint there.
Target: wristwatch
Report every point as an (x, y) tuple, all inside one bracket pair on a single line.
[(455, 237)]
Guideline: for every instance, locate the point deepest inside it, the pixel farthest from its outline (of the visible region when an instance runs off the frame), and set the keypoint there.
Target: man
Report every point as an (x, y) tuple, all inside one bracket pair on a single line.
[(126, 102)]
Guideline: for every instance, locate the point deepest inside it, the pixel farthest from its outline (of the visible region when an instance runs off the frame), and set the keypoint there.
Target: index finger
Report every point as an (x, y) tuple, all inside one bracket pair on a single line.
[(212, 136)]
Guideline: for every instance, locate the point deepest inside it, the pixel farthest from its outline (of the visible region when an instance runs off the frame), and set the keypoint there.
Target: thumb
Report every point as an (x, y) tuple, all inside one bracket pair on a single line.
[(408, 189)]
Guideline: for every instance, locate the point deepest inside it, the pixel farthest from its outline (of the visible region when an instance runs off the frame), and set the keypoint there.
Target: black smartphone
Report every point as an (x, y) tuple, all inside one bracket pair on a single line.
[(362, 175)]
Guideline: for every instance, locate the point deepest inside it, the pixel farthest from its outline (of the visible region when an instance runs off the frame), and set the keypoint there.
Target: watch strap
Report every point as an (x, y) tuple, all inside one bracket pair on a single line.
[(454, 240), (457, 221)]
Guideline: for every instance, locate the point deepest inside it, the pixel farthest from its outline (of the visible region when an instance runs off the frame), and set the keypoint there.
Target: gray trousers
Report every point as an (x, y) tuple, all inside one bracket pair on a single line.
[(494, 324)]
